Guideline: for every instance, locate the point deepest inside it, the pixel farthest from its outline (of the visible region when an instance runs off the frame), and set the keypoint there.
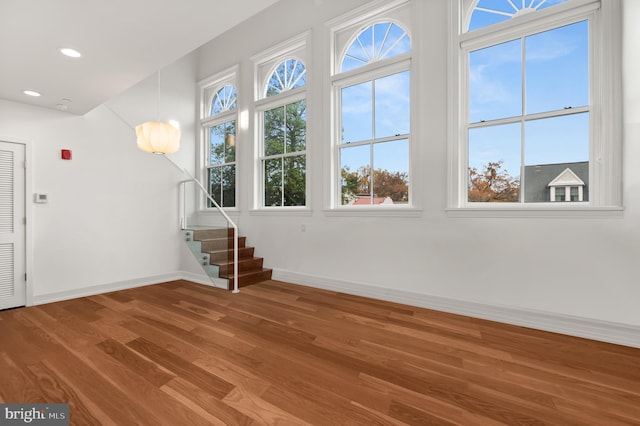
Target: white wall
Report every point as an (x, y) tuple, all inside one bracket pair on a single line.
[(112, 214), (583, 267)]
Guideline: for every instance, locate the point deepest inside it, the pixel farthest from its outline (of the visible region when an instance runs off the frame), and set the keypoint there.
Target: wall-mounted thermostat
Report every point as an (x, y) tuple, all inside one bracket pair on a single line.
[(41, 198)]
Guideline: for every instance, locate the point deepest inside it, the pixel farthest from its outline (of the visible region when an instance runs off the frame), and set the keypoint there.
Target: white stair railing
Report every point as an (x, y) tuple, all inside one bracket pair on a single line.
[(183, 213)]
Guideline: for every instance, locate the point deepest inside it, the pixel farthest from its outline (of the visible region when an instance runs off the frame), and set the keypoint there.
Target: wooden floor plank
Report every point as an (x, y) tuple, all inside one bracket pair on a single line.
[(278, 353), (182, 368)]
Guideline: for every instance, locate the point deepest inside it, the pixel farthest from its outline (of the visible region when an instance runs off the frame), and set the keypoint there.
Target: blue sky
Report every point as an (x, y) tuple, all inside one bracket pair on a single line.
[(555, 78), (391, 117)]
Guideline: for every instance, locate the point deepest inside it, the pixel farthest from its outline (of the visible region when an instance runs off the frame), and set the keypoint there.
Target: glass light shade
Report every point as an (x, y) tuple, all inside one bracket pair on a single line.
[(158, 137)]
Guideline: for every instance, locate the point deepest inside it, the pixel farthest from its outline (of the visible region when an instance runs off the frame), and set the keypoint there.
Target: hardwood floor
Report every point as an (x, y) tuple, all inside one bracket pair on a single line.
[(184, 354)]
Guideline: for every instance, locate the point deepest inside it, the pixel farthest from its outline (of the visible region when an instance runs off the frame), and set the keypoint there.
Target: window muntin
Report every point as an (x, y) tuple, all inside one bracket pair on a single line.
[(289, 74), (513, 85), (379, 41), (283, 117), (224, 100), (489, 12)]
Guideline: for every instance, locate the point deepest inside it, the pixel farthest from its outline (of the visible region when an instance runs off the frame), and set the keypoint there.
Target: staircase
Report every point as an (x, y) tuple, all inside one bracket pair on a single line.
[(216, 251)]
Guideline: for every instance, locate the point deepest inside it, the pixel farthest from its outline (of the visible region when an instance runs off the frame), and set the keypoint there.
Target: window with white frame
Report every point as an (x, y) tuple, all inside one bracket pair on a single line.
[(219, 120), (281, 107), (371, 83), (537, 92)]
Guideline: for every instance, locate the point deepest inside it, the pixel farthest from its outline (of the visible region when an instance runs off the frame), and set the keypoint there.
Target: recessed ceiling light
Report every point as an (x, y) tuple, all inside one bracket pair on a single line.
[(72, 53), (31, 93)]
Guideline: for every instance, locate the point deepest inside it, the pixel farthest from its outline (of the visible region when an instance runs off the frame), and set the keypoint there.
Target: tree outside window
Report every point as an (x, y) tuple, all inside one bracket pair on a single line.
[(284, 129)]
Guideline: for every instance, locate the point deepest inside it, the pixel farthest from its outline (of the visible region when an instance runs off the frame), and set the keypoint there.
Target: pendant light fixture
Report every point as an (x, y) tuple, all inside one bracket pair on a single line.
[(158, 137)]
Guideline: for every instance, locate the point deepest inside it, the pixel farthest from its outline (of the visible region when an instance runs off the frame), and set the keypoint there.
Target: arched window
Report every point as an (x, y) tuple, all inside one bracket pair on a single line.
[(219, 124), (372, 84), (377, 42), (223, 100), (289, 74), (489, 12), (282, 121)]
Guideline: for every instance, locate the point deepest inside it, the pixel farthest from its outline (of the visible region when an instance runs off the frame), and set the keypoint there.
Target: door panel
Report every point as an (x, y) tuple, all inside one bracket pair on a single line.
[(12, 226)]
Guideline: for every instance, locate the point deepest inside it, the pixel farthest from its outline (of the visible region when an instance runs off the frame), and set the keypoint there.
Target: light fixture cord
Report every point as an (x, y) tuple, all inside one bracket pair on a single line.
[(158, 95)]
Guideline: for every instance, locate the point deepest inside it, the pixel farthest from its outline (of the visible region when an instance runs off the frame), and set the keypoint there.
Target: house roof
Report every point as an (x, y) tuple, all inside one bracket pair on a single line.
[(566, 178), (537, 178), (365, 200)]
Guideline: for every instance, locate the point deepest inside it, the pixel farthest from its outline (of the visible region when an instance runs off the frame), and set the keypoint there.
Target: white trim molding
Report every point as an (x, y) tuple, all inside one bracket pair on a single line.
[(103, 288), (128, 284), (604, 331)]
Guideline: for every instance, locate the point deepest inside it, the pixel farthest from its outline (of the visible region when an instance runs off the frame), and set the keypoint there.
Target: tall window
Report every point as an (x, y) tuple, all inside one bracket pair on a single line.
[(282, 112), (531, 78), (372, 87), (219, 133)]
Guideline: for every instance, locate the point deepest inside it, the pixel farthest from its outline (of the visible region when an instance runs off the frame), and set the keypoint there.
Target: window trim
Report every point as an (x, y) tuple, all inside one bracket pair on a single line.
[(605, 193), (355, 22), (265, 64), (218, 80)]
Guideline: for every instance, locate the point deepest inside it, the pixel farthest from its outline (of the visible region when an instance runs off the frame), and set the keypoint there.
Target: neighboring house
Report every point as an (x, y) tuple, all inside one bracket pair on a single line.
[(365, 200), (556, 182)]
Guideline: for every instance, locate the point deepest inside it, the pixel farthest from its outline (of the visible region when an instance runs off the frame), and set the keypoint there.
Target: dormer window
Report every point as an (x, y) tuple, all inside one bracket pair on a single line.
[(566, 187)]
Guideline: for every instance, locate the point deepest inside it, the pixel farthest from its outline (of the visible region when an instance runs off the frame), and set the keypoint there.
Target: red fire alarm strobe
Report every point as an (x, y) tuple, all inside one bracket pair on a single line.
[(66, 154)]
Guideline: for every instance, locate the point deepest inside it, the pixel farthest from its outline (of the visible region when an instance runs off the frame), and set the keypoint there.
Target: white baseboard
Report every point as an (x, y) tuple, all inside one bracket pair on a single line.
[(611, 332), (104, 288), (124, 285)]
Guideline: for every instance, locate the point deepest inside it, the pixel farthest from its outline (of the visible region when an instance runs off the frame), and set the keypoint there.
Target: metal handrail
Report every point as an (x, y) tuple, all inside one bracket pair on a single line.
[(183, 219)]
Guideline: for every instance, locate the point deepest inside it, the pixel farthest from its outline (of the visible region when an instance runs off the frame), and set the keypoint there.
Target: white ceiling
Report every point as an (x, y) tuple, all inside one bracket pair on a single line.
[(122, 42)]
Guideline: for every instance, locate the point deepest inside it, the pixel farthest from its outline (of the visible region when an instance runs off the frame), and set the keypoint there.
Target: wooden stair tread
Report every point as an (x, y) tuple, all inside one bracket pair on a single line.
[(230, 262), (229, 252), (247, 273), (218, 244)]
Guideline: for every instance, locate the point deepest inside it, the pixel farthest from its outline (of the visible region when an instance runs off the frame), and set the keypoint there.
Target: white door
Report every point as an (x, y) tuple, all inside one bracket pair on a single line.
[(12, 226)]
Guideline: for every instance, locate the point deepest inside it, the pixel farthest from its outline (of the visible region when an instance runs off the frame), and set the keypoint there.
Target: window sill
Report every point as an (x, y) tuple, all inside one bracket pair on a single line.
[(536, 212), (373, 212), (214, 211), (281, 211)]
